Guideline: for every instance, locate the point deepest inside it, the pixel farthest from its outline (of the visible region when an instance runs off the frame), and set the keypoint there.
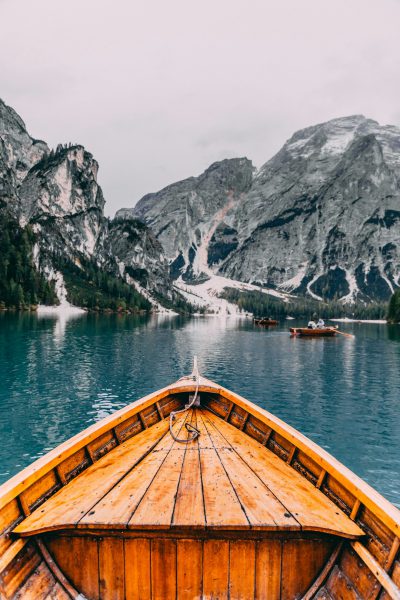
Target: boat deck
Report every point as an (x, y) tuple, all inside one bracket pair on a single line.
[(222, 480)]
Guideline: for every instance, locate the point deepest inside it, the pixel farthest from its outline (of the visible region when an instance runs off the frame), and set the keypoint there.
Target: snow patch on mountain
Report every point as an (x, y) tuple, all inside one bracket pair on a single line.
[(207, 294)]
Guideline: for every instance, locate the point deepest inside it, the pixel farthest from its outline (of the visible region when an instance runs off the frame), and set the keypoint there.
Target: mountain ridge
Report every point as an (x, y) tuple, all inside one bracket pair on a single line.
[(320, 218)]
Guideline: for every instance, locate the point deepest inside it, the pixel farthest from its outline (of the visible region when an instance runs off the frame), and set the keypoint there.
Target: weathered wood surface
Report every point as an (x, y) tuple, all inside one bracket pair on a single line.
[(222, 480), (213, 456), (162, 568)]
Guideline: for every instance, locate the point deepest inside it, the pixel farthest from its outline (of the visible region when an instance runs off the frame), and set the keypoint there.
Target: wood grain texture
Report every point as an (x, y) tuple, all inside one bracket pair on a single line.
[(78, 559), (189, 569), (111, 569), (268, 570), (215, 569), (242, 569), (163, 569), (39, 585), (302, 500), (137, 569), (301, 562), (72, 502), (117, 506)]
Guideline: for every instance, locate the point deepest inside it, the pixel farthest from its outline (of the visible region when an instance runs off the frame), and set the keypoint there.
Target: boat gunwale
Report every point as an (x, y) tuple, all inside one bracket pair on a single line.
[(362, 491)]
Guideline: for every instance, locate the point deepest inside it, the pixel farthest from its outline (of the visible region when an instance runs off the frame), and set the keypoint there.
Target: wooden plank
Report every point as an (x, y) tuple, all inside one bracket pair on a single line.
[(111, 569), (358, 573), (302, 560), (39, 491), (118, 505), (189, 505), (216, 569), (156, 507), (137, 569), (323, 574), (384, 579), (73, 465), (307, 504), (72, 502), (58, 593), (159, 410), (101, 445), (19, 570), (55, 569), (268, 570), (222, 507), (340, 587), (12, 551), (189, 569), (163, 569), (142, 420), (39, 584), (262, 508), (389, 514), (78, 559), (242, 569)]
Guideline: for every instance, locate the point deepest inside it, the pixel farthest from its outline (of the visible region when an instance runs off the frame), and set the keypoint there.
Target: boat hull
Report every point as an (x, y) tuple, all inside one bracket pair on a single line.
[(157, 560), (308, 332)]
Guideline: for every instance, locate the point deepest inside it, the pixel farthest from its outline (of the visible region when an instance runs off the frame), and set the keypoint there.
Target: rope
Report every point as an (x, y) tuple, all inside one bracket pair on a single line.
[(191, 429)]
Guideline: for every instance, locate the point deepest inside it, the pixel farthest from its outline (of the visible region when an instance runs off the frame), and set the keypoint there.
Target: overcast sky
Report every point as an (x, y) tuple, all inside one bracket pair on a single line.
[(158, 90)]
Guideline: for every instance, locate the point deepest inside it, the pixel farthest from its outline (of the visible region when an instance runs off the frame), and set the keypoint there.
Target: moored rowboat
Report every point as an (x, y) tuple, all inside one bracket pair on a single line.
[(226, 500), (265, 322), (317, 332)]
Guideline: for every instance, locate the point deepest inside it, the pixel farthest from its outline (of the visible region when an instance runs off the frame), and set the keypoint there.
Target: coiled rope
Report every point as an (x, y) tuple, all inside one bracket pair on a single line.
[(191, 429)]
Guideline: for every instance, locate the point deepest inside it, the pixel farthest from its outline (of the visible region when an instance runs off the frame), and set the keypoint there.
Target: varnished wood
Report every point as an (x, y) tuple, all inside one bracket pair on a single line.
[(387, 583), (216, 569), (307, 505), (56, 572), (268, 570), (137, 569), (189, 570), (241, 581), (225, 481), (111, 569), (163, 569)]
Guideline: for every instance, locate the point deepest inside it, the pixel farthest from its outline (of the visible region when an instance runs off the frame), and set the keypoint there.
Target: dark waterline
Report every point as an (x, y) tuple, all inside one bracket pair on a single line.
[(60, 375)]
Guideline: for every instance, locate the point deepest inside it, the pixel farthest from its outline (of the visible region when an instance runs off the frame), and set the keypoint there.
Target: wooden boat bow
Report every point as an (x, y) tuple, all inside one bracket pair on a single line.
[(250, 508)]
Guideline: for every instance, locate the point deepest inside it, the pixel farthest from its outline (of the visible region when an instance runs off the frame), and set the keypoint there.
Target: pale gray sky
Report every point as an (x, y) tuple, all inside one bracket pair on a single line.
[(158, 90)]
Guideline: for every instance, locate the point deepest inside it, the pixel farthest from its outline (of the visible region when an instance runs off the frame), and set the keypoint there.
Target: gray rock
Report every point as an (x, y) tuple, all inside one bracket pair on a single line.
[(322, 217), (183, 215)]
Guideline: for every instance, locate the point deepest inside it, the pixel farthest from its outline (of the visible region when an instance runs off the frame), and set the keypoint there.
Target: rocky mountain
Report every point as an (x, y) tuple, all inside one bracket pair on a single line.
[(56, 194), (321, 218), (194, 214)]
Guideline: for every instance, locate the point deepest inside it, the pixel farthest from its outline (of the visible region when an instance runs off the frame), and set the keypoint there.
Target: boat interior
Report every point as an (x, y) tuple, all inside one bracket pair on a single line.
[(250, 508)]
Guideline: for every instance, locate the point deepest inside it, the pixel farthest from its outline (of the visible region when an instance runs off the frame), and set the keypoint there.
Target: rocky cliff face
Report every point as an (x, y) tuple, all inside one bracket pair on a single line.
[(57, 194), (139, 256), (322, 217), (194, 215)]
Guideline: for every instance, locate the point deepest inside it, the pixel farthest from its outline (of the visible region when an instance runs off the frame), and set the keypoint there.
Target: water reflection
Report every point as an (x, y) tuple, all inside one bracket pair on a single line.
[(341, 392)]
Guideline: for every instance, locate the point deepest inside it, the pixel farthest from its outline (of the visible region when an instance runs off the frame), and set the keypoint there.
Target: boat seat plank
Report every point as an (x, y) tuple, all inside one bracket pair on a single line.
[(222, 480), (189, 506), (118, 505), (261, 507), (73, 501), (156, 508), (221, 505), (310, 507)]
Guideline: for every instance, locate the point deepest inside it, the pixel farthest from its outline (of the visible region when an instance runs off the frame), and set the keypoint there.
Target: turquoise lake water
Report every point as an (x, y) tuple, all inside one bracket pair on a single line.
[(60, 375)]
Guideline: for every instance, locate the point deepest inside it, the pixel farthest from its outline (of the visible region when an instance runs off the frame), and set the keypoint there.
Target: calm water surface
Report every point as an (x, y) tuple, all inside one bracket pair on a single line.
[(58, 376)]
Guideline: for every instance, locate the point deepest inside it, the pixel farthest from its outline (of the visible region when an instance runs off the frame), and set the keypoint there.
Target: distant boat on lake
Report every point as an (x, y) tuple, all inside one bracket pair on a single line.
[(195, 492)]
